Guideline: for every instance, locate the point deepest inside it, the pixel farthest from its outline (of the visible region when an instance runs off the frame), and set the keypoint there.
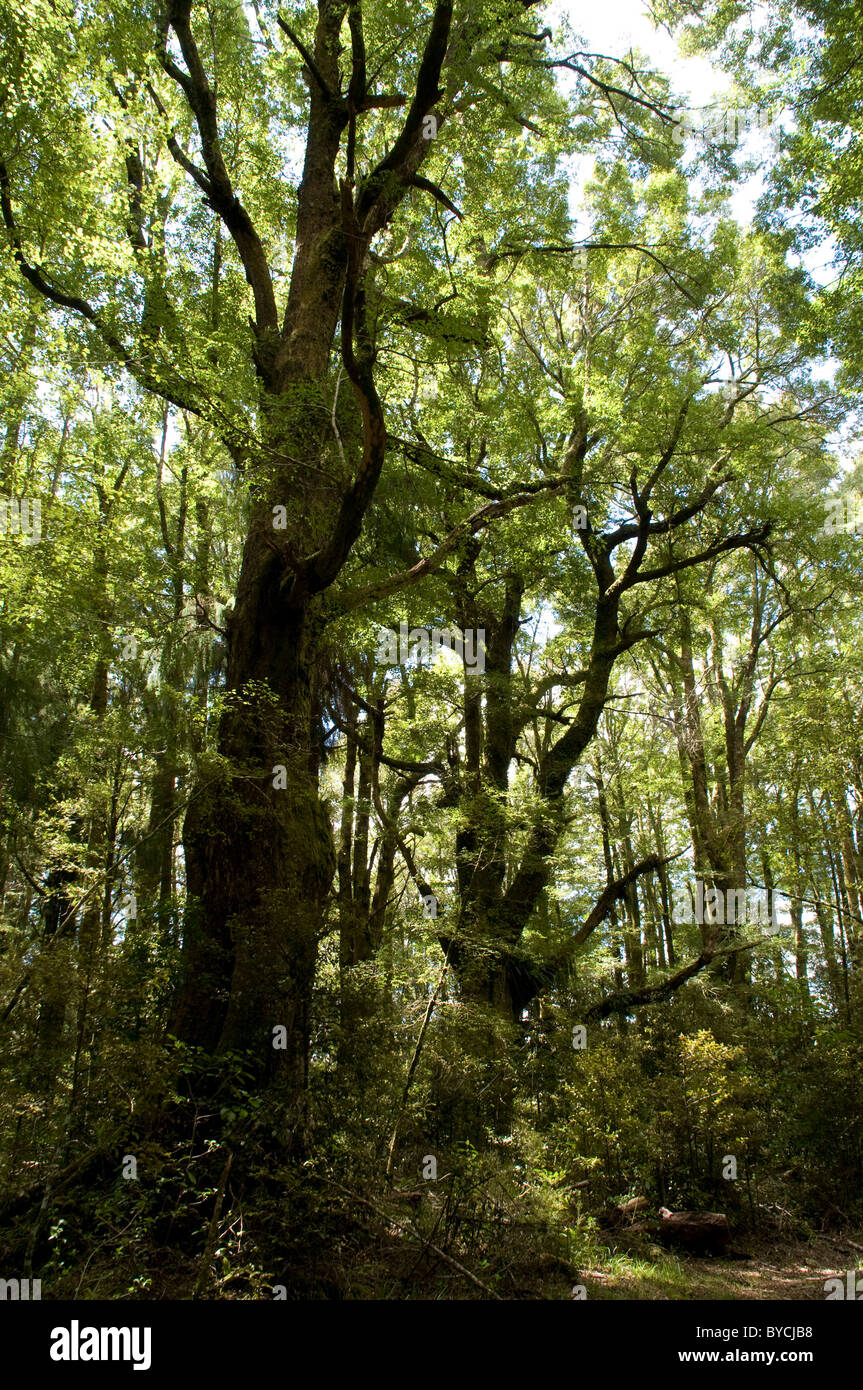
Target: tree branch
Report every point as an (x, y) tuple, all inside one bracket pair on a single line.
[(477, 521), (416, 181), (35, 275), (202, 100), (744, 540), (628, 1000), (376, 198), (305, 55)]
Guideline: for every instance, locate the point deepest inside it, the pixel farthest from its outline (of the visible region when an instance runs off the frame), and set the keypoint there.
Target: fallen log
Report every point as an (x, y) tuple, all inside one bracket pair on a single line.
[(617, 1214), (699, 1232)]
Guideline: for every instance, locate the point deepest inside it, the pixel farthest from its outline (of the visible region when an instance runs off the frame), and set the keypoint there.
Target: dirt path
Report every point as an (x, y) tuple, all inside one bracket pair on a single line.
[(778, 1269), (788, 1269)]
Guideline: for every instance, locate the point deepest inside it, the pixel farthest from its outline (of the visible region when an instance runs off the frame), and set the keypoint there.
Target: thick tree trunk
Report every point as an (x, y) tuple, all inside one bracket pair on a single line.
[(259, 854)]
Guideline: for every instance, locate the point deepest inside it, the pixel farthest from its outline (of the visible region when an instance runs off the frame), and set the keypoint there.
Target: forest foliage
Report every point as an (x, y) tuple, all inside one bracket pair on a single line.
[(431, 749)]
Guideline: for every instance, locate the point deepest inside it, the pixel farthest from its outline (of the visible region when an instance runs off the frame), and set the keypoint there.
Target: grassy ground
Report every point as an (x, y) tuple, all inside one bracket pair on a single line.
[(779, 1268)]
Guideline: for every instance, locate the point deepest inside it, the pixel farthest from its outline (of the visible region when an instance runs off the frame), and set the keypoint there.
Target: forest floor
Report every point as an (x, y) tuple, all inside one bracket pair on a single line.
[(777, 1268), (781, 1269)]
